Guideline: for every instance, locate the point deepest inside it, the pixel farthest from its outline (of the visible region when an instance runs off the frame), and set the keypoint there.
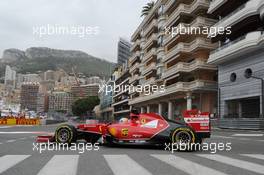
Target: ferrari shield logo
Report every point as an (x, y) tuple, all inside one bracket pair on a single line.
[(124, 132)]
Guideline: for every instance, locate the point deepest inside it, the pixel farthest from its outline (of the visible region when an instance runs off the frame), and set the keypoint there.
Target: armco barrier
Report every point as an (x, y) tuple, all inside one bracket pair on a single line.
[(3, 121), (19, 121)]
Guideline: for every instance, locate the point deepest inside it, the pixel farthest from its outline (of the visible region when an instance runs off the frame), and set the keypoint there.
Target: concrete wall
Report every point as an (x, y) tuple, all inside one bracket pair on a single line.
[(242, 87)]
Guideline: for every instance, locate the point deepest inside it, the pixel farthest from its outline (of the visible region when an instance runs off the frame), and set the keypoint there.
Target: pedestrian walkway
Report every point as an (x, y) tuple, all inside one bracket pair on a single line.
[(123, 164)]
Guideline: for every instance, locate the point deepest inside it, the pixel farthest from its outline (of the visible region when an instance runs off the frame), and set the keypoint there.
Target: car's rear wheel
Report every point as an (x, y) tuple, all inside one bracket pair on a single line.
[(182, 138), (66, 134)]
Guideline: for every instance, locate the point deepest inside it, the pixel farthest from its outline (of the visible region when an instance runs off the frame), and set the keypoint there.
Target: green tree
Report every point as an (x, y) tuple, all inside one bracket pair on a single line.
[(146, 9), (82, 106)]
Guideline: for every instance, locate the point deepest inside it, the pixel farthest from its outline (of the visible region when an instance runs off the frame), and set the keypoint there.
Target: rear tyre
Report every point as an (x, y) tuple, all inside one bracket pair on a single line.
[(182, 139), (66, 134)]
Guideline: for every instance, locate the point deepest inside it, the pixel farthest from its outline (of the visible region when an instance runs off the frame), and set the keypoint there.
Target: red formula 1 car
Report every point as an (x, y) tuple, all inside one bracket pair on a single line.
[(145, 128)]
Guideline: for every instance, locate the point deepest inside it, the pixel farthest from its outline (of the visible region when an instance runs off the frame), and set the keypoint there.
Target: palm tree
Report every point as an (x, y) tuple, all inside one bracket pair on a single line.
[(146, 9)]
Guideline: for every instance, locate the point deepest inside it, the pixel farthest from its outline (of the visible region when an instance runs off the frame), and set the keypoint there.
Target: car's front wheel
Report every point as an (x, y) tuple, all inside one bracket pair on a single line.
[(66, 134)]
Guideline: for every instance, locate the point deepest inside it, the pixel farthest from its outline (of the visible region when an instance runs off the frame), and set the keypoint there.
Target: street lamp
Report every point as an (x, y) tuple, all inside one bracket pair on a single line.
[(248, 74)]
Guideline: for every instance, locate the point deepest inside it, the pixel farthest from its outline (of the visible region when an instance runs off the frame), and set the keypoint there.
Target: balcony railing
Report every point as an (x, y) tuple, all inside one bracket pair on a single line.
[(135, 44), (241, 45), (134, 56), (230, 14), (189, 47), (150, 26), (152, 52), (198, 22), (134, 67), (187, 67), (184, 8), (225, 45), (214, 4), (149, 68), (250, 8), (133, 78), (177, 87), (150, 40)]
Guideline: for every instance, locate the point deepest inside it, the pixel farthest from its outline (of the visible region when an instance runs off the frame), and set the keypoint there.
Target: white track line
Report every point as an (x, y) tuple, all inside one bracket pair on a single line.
[(255, 156), (186, 165), (122, 164), (225, 137), (61, 165), (9, 161), (25, 132), (235, 162), (10, 141), (248, 135)]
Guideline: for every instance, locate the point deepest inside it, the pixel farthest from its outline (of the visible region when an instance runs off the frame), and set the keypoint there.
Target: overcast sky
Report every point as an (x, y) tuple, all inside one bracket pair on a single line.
[(114, 19)]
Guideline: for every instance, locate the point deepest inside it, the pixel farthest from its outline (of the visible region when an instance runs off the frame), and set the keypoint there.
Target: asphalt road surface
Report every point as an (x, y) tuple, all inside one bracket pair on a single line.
[(18, 156)]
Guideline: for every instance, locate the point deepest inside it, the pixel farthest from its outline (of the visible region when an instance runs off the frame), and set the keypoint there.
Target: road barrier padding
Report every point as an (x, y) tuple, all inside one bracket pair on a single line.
[(19, 121)]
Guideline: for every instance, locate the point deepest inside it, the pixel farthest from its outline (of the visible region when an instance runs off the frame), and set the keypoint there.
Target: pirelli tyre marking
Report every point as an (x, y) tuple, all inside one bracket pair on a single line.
[(184, 130), (67, 129)]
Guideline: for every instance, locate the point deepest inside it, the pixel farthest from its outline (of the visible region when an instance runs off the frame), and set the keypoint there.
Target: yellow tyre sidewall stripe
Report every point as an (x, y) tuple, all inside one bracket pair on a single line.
[(185, 130)]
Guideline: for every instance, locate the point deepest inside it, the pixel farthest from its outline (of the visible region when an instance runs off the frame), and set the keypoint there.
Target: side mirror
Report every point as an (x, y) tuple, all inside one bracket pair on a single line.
[(248, 73)]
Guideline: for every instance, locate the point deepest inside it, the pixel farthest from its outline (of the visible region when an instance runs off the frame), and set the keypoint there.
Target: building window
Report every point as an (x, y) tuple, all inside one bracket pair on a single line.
[(248, 73), (233, 77)]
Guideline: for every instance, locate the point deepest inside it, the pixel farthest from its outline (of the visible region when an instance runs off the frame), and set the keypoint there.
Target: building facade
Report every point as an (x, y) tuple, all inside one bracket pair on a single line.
[(123, 51), (174, 61), (120, 93), (60, 101), (30, 97), (10, 77), (239, 54), (106, 97), (83, 91)]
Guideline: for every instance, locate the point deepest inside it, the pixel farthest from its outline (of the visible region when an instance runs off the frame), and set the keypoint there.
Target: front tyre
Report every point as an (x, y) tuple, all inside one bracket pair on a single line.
[(66, 134)]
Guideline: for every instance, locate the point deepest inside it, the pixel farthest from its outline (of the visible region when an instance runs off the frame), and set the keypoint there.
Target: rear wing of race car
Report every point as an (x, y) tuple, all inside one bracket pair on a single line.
[(199, 121)]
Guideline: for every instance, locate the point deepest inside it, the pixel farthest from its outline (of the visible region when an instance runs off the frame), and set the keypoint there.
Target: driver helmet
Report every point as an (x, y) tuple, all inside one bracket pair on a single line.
[(123, 120)]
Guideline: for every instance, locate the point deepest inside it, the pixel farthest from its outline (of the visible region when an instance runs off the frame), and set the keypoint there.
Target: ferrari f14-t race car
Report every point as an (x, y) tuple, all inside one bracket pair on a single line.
[(145, 128)]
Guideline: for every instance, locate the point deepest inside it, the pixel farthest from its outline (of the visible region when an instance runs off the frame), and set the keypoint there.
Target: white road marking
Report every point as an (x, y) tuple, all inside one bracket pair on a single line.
[(260, 140), (3, 127), (24, 132), (235, 162), (9, 161), (225, 137), (256, 156), (23, 138), (119, 164), (243, 139), (61, 165), (184, 165), (248, 135), (10, 141)]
